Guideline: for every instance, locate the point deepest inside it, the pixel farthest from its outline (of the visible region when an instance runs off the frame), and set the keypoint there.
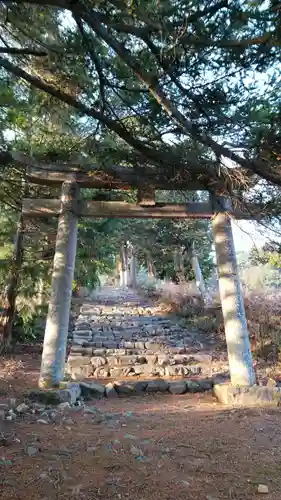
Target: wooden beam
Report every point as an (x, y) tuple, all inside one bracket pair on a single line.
[(108, 180), (123, 210), (109, 176)]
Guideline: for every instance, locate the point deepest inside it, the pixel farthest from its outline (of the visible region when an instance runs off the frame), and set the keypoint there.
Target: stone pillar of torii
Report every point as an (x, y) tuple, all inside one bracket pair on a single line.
[(218, 210)]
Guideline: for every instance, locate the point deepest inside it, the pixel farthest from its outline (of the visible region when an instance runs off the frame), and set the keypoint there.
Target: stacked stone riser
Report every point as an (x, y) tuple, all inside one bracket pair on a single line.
[(127, 341)]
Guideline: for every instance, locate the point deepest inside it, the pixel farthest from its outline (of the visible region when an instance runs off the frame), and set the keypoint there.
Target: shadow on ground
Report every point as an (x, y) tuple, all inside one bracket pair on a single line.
[(154, 447)]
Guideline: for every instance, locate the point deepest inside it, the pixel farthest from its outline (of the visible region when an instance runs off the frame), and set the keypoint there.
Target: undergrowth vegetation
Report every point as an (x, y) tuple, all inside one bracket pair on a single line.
[(262, 305)]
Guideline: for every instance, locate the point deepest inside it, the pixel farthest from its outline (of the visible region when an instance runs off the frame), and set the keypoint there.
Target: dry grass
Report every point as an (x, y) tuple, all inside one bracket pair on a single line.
[(263, 311), (181, 298)]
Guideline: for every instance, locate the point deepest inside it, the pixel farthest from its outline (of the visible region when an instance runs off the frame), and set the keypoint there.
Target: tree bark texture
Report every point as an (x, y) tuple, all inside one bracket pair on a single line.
[(8, 315), (133, 270), (124, 265)]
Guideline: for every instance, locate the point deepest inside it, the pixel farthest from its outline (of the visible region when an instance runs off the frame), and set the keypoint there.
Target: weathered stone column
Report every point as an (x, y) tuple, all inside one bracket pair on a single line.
[(236, 332), (55, 340)]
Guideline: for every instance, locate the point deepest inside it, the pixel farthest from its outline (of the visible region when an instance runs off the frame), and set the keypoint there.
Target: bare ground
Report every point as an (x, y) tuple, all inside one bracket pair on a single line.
[(154, 447)]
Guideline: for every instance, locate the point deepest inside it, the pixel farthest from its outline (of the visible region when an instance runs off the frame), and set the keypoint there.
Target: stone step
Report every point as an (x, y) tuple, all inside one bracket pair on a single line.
[(119, 338), (117, 356), (100, 365), (79, 372)]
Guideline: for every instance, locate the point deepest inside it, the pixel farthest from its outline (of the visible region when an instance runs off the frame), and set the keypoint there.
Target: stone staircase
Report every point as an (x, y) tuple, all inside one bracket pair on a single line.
[(120, 336)]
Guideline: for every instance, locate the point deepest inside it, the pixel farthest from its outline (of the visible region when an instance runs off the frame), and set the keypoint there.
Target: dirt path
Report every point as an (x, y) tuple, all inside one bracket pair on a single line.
[(155, 447)]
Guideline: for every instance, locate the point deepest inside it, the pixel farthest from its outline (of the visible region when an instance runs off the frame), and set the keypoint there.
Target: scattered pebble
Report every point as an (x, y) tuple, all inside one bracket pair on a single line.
[(69, 421), (136, 451), (263, 489), (31, 451), (64, 406), (129, 436), (22, 408)]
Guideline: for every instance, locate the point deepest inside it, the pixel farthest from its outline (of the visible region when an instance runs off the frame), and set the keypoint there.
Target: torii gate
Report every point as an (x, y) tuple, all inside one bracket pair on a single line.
[(69, 208)]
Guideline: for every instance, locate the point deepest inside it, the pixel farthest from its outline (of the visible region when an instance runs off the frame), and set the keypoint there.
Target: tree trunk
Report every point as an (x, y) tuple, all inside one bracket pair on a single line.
[(118, 271), (8, 315), (55, 341), (133, 270), (124, 265), (150, 267), (178, 266), (236, 332), (198, 274)]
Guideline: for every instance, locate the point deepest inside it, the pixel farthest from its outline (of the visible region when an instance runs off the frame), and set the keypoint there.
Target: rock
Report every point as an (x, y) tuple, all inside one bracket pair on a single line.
[(22, 408), (11, 416), (102, 372), (141, 359), (70, 394), (176, 370), (130, 387), (68, 421), (124, 388), (157, 386), (193, 386), (97, 361), (163, 359), (31, 451), (99, 352), (112, 360), (129, 345), (110, 391), (78, 360), (194, 370), (64, 406), (121, 372), (80, 372), (180, 359), (263, 489), (110, 344), (149, 370), (137, 452), (151, 358), (206, 384), (127, 360), (177, 387), (92, 390), (140, 386), (41, 421), (77, 350), (177, 350), (153, 346), (247, 396), (139, 345)]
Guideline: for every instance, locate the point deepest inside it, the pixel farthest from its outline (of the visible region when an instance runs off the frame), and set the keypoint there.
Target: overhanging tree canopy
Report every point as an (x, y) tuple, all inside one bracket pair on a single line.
[(166, 86)]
